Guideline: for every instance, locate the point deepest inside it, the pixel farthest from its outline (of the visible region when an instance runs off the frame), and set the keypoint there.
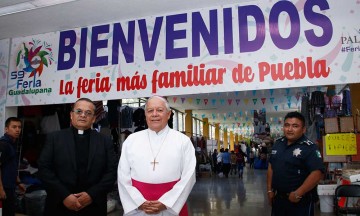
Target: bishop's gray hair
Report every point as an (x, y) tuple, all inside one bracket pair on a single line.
[(167, 105)]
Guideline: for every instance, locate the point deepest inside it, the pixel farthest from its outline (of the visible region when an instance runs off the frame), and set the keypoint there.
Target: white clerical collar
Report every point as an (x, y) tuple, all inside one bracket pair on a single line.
[(163, 131)]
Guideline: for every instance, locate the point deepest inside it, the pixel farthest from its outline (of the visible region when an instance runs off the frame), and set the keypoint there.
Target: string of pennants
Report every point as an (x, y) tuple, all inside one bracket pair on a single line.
[(224, 102), (246, 101), (243, 120), (229, 102)]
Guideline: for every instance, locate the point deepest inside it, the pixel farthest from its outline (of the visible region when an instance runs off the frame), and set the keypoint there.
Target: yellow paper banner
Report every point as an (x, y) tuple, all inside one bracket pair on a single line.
[(341, 144)]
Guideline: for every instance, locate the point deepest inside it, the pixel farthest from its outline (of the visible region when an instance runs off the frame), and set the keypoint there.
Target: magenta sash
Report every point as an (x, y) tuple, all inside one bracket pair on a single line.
[(155, 191)]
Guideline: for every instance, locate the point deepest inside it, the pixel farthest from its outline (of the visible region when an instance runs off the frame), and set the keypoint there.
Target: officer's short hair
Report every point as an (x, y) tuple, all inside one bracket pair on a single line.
[(11, 119), (296, 115)]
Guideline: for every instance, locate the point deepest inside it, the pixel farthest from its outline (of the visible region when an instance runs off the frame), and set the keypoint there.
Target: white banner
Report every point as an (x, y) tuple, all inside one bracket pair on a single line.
[(251, 46), (4, 59)]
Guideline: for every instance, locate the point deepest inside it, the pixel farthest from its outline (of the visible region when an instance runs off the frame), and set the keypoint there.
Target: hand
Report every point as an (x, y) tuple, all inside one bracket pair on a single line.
[(84, 199), (145, 205), (152, 207), (2, 193), (271, 196), (71, 202), (22, 188), (292, 197), (159, 205)]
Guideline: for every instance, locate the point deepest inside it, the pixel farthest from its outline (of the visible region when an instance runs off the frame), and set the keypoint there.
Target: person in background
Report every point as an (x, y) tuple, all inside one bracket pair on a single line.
[(77, 166), (233, 163), (295, 168), (226, 162), (156, 172), (198, 162), (267, 129), (251, 156), (9, 178), (219, 161), (248, 149), (240, 162), (214, 161), (263, 151)]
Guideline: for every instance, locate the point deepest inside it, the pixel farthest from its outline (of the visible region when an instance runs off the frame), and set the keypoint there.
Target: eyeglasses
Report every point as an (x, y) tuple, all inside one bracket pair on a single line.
[(79, 112)]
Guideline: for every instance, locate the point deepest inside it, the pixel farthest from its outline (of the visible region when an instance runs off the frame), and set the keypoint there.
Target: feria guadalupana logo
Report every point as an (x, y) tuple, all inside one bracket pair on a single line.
[(33, 58), (30, 61)]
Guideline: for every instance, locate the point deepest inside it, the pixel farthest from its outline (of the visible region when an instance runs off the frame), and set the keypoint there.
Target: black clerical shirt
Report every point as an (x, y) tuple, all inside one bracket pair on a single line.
[(82, 142)]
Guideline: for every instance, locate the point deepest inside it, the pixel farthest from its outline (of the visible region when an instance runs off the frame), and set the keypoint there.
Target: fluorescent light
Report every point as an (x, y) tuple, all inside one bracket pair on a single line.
[(30, 5), (45, 3), (16, 8)]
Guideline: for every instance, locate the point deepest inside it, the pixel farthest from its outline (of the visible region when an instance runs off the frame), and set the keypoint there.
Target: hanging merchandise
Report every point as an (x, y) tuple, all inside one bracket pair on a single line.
[(305, 109), (329, 111), (317, 99), (346, 102), (50, 123), (170, 121), (126, 117), (139, 117), (317, 102), (336, 102), (113, 112), (99, 111)]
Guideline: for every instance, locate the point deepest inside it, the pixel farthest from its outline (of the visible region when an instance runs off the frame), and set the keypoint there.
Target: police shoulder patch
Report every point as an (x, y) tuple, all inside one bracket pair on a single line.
[(280, 139), (307, 142)]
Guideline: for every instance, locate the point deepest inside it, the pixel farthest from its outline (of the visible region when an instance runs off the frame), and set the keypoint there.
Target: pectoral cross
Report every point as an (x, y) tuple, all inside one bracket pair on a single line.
[(154, 162)]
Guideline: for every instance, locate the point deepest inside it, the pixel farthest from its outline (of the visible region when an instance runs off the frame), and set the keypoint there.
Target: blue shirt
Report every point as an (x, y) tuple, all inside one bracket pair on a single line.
[(292, 164), (9, 162), (226, 157)]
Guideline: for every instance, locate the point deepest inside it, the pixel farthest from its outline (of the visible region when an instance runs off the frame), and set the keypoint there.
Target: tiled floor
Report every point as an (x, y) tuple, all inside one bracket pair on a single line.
[(233, 196), (214, 196)]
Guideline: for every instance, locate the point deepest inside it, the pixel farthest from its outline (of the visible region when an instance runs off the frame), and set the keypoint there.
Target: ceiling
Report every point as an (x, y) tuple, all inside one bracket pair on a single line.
[(81, 13), (230, 109)]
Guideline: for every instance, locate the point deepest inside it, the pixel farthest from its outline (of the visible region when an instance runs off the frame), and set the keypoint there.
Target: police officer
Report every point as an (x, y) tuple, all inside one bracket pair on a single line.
[(295, 168), (9, 178)]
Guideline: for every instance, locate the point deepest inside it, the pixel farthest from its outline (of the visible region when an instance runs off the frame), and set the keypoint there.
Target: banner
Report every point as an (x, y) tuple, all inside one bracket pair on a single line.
[(4, 58), (240, 47)]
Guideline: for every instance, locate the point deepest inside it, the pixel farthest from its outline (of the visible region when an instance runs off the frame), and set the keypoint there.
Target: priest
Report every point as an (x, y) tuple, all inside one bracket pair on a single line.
[(77, 166), (156, 171)]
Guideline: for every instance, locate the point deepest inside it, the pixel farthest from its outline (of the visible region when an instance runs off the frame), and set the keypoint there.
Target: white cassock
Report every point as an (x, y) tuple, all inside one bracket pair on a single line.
[(175, 161)]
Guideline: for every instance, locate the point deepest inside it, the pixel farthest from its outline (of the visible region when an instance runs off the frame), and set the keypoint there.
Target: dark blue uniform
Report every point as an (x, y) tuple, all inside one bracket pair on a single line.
[(291, 165), (8, 165)]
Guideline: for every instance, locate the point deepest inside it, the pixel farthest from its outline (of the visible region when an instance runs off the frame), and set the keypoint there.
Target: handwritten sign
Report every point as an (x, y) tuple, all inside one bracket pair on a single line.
[(341, 144)]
